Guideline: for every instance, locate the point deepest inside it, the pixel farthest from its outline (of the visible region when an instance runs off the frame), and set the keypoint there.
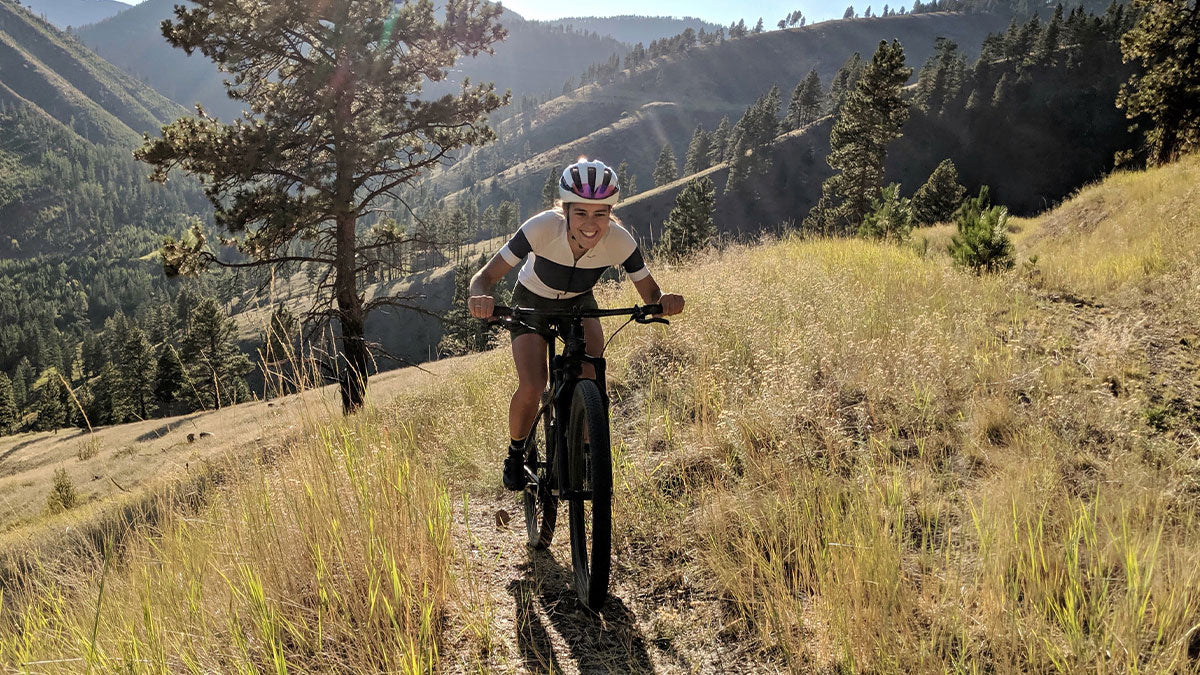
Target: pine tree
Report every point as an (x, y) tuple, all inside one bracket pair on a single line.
[(51, 412), (337, 128), (890, 217), (849, 13), (1165, 42), (719, 143), (941, 78), (214, 366), (845, 80), (805, 105), (136, 366), (867, 123), (940, 196), (690, 226), (1048, 42), (550, 188), (758, 27), (462, 333), (982, 242), (168, 380), (667, 168), (8, 406), (21, 381), (697, 152), (623, 181)]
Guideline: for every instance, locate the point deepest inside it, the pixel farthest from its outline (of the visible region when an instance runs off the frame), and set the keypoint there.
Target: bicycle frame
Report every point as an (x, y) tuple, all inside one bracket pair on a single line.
[(564, 371)]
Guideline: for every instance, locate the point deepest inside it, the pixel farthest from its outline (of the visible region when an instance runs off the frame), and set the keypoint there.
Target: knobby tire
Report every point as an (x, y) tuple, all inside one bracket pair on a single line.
[(589, 468), (541, 507)]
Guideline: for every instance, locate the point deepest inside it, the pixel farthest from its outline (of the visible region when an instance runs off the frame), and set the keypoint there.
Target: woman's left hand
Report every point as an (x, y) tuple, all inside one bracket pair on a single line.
[(672, 303)]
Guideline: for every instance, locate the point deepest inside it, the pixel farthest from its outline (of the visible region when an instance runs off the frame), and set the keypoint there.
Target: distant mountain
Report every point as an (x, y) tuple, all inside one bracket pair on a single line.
[(530, 61), (634, 29), (632, 117), (64, 13), (68, 123), (49, 70)]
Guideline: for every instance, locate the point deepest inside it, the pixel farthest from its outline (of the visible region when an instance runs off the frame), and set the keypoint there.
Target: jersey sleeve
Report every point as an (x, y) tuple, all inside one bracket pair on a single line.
[(517, 248), (635, 266)]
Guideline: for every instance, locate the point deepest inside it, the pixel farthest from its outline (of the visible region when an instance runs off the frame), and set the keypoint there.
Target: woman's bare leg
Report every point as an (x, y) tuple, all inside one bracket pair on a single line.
[(529, 354)]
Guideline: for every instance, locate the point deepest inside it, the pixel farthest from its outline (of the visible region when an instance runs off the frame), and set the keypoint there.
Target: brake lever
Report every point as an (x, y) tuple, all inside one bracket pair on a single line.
[(652, 319)]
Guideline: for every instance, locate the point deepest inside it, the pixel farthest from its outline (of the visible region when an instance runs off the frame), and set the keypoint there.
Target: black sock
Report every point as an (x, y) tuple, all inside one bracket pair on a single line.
[(516, 447)]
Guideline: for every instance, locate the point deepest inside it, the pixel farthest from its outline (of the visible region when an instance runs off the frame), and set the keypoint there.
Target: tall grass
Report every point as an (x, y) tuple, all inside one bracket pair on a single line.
[(337, 559), (842, 456)]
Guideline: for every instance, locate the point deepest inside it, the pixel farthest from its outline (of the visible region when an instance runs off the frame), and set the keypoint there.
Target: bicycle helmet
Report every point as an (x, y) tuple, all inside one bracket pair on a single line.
[(589, 182)]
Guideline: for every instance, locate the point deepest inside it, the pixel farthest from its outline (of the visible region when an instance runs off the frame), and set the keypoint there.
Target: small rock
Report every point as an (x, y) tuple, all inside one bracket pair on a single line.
[(502, 519), (191, 438), (205, 434)]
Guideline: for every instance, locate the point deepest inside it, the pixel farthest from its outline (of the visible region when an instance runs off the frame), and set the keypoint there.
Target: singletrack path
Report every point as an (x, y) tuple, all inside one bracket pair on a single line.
[(534, 620)]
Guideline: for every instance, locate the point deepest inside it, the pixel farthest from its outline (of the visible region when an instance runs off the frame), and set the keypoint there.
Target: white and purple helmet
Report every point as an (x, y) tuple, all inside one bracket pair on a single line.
[(589, 182)]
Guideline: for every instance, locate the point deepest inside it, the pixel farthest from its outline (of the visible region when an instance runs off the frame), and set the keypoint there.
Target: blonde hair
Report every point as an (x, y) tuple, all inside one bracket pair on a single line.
[(560, 208)]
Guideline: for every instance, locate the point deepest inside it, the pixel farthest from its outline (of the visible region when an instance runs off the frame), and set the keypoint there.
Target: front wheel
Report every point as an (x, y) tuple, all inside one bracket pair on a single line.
[(541, 507), (588, 491)]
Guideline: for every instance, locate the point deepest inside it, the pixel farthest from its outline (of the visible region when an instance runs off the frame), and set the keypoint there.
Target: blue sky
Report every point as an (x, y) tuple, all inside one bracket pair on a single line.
[(717, 11)]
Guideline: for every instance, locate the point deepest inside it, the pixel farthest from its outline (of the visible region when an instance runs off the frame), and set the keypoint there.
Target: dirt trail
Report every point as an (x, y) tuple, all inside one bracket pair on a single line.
[(536, 622)]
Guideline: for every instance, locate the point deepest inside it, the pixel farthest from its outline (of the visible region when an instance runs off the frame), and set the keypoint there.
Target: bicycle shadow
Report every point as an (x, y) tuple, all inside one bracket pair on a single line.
[(605, 642)]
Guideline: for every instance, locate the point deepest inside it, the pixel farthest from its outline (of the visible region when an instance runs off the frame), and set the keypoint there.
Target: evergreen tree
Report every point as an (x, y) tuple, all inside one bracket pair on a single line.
[(867, 123), (758, 27), (690, 226), (63, 495), (890, 217), (136, 367), (22, 382), (214, 366), (748, 155), (168, 380), (667, 168), (697, 152), (719, 143), (51, 411), (940, 196), (805, 106), (845, 80), (941, 78), (849, 13), (1048, 42), (550, 188), (982, 242), (337, 128), (8, 406), (462, 333), (623, 181), (1165, 42)]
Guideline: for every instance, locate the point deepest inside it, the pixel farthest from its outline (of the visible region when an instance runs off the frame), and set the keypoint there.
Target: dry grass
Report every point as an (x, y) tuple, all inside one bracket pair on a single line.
[(844, 456)]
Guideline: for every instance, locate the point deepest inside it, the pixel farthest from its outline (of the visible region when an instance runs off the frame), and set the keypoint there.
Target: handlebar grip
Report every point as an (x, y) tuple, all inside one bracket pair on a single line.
[(647, 310), (501, 311)]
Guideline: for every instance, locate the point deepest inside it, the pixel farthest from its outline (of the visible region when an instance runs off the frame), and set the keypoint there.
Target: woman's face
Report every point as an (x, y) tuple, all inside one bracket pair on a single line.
[(587, 223)]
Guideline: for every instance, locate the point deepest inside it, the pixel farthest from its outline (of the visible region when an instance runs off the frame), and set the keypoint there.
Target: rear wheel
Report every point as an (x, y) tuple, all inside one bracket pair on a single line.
[(541, 507), (589, 492)]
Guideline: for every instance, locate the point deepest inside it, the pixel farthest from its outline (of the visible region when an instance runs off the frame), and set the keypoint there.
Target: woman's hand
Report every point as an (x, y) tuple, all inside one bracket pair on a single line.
[(481, 306), (672, 303)]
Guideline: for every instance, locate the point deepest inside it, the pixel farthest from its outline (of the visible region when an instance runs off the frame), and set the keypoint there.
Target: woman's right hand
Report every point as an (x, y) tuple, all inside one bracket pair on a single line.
[(481, 306)]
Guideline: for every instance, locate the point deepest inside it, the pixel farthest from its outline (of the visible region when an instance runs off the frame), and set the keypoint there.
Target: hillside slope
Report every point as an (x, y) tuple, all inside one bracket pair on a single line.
[(671, 95), (47, 68), (915, 469), (525, 62)]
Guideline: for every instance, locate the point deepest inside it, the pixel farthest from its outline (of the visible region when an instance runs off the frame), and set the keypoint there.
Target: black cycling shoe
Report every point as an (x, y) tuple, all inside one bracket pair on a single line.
[(514, 471)]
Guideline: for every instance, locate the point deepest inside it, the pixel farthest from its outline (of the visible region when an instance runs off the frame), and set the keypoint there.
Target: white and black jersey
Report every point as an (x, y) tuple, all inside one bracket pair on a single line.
[(552, 270)]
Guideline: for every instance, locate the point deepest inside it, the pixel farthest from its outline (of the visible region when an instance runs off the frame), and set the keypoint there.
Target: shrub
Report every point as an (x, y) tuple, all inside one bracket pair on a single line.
[(890, 217), (982, 242), (62, 493)]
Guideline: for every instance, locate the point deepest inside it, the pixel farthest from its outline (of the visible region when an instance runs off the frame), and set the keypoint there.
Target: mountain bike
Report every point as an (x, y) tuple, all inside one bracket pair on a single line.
[(576, 464)]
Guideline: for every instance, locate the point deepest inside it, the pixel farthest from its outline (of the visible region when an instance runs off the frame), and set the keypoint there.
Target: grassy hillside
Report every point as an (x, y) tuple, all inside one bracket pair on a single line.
[(915, 469), (49, 69), (631, 118), (632, 29)]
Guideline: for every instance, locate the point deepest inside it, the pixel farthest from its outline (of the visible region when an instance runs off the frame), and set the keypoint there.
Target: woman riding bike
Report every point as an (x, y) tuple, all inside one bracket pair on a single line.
[(572, 245)]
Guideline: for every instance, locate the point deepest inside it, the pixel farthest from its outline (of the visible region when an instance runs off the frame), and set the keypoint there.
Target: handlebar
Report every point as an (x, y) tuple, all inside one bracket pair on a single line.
[(640, 314)]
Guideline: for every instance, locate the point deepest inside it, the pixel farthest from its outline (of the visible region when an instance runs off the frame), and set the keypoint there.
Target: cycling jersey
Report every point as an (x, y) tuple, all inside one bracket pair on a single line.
[(552, 270)]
